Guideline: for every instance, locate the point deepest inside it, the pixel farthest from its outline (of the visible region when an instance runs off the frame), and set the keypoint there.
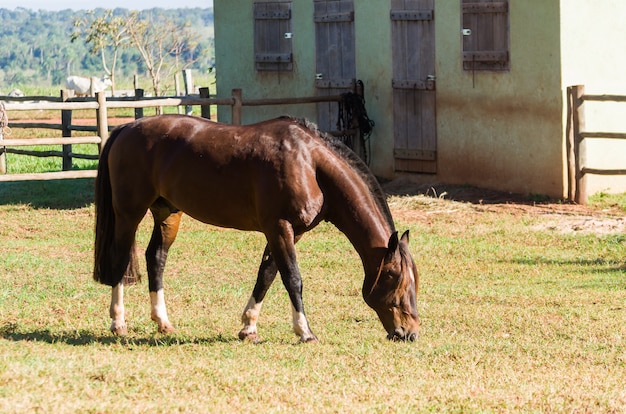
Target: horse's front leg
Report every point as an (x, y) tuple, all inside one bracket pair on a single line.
[(265, 278), (284, 250), (116, 310)]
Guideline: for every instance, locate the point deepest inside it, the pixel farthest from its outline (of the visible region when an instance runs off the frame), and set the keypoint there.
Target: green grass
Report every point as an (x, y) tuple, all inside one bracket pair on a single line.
[(21, 164), (606, 200), (513, 319)]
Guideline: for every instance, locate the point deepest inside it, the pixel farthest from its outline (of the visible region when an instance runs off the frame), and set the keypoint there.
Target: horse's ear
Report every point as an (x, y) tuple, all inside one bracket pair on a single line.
[(405, 237), (393, 243)]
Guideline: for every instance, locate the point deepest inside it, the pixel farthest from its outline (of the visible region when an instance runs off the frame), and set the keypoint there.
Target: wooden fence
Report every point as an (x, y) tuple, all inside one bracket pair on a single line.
[(101, 105), (576, 133)]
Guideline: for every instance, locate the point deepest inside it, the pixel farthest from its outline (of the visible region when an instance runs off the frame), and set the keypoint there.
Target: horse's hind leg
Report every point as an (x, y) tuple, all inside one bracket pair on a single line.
[(267, 274), (124, 265), (166, 222), (116, 310)]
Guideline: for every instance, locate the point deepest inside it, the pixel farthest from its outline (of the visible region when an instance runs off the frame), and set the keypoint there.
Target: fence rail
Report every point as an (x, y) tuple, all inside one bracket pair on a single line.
[(576, 133), (101, 105)]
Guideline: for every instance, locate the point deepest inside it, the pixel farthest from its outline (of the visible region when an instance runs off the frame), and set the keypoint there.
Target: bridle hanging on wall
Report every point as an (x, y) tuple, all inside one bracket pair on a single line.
[(353, 116)]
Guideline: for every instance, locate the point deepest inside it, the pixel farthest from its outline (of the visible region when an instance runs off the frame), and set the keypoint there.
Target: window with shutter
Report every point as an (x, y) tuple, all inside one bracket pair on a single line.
[(272, 36), (485, 34)]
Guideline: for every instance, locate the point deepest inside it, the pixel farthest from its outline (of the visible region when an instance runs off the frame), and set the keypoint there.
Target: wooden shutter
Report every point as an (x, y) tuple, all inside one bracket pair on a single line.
[(335, 61), (413, 83), (272, 36), (485, 34)]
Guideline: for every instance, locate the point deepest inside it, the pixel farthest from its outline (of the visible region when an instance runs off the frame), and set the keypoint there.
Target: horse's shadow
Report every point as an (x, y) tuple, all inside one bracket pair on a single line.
[(87, 338)]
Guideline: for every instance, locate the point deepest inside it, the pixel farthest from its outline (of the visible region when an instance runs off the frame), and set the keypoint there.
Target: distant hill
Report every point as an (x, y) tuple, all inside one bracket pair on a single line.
[(36, 47)]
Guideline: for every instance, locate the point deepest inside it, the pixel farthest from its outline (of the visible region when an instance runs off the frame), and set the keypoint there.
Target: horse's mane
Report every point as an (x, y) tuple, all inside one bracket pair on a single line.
[(354, 162)]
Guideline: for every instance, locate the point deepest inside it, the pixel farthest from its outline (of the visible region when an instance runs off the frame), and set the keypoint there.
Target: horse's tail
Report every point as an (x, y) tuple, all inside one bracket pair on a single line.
[(104, 247)]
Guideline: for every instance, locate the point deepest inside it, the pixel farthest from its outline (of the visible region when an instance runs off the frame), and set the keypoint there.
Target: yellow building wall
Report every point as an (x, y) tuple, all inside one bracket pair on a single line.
[(502, 130), (594, 55)]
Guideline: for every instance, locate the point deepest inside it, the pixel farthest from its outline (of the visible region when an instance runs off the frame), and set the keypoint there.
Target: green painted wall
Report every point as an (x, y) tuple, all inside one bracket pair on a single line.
[(234, 56), (373, 67)]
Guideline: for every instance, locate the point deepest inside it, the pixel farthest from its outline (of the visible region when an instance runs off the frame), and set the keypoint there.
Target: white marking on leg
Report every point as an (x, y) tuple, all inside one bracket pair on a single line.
[(158, 311), (249, 318), (301, 326), (116, 310)]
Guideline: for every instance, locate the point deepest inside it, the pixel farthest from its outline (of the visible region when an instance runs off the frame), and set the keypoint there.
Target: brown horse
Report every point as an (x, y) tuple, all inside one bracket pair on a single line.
[(280, 177)]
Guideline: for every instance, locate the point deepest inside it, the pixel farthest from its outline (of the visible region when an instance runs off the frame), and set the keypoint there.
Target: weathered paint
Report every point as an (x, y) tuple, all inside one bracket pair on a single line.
[(234, 57), (500, 130), (373, 67)]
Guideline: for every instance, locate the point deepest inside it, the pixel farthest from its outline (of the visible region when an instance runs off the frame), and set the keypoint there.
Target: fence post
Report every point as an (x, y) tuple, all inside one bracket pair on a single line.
[(205, 110), (578, 125), (177, 91), (236, 108), (138, 97), (66, 131), (4, 120), (569, 145), (3, 154), (189, 89), (102, 120)]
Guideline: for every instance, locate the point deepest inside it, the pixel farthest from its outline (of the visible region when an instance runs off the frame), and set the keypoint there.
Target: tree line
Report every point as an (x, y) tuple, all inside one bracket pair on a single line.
[(44, 47)]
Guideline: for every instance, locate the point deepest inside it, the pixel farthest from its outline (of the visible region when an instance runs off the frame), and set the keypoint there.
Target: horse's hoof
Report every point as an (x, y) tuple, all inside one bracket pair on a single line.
[(119, 330), (309, 340), (252, 337), (166, 329)]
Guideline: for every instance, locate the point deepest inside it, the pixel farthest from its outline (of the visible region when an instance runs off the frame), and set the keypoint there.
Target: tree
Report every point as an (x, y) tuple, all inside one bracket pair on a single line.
[(165, 46), (107, 34)]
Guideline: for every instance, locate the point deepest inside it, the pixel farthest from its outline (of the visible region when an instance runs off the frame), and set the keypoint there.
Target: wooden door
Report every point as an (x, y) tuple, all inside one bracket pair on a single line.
[(272, 40), (413, 54), (335, 63)]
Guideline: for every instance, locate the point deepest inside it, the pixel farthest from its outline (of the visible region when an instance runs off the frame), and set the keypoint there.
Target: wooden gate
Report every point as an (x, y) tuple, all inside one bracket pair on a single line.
[(335, 63), (413, 54)]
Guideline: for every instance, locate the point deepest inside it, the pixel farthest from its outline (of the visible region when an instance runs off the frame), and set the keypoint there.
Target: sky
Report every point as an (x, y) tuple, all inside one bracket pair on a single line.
[(55, 5)]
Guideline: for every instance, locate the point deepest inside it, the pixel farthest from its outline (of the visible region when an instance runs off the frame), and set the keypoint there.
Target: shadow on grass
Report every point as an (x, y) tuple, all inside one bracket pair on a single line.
[(84, 338), (598, 265), (67, 194), (465, 193)]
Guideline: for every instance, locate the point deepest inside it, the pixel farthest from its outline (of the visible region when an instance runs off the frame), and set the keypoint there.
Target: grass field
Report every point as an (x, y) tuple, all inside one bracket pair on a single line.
[(517, 316)]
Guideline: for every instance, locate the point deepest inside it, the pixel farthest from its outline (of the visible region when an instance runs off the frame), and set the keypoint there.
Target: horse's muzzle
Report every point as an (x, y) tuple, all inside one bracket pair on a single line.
[(400, 335)]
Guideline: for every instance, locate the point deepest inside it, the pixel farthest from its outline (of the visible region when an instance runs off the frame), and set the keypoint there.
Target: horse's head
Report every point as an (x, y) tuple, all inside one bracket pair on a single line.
[(394, 293)]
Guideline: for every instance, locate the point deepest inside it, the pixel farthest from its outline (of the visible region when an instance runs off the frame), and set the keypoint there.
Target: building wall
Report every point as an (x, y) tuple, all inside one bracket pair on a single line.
[(373, 67), (502, 130), (234, 57), (591, 59), (234, 51)]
